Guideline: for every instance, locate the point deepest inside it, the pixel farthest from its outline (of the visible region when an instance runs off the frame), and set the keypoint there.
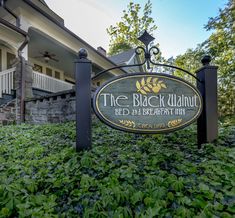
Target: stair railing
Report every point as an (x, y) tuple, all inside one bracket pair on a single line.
[(7, 81)]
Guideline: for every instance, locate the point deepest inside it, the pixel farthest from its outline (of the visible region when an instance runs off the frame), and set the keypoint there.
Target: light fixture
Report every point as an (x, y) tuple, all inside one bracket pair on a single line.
[(46, 58)]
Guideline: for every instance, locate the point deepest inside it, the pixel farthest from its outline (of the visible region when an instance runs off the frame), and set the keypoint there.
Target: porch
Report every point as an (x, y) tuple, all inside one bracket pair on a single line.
[(39, 81)]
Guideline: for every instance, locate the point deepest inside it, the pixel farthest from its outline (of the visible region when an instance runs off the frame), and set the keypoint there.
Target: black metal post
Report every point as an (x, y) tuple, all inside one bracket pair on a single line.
[(83, 101), (207, 124)]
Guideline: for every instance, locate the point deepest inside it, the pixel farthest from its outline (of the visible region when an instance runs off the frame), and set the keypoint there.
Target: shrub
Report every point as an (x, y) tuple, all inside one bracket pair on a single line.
[(123, 175)]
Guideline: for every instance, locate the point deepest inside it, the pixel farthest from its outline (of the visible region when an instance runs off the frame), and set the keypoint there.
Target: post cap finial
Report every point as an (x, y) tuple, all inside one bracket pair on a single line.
[(206, 60), (82, 53), (146, 38)]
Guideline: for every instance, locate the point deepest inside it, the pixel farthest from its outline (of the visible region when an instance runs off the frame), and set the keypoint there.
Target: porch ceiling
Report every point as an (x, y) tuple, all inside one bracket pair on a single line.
[(40, 43), (10, 38)]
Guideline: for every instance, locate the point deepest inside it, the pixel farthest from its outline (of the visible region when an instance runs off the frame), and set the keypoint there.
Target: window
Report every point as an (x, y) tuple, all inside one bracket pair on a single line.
[(10, 60), (37, 68), (48, 71), (57, 75)]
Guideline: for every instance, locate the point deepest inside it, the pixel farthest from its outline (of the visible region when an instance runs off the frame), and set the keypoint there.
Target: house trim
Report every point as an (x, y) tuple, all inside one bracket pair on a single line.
[(68, 31), (13, 27)]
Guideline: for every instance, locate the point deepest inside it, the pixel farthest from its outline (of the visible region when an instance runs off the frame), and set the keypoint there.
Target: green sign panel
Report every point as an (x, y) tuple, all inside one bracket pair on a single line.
[(147, 103)]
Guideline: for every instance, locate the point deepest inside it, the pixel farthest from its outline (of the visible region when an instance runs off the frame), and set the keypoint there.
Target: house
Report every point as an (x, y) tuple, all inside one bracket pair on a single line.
[(128, 57), (37, 54), (31, 29), (37, 51)]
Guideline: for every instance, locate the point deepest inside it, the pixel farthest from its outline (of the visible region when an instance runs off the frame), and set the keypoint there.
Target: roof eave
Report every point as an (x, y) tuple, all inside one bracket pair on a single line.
[(13, 27), (68, 31)]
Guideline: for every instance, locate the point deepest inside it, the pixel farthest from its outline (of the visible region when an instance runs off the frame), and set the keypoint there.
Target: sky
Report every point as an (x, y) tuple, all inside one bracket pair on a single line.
[(180, 22)]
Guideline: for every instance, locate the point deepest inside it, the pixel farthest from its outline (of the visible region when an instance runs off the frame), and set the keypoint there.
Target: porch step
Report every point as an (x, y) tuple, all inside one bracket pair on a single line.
[(7, 97)]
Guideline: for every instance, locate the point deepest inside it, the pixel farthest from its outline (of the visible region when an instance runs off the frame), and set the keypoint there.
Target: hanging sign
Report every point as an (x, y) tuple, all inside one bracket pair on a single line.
[(147, 103)]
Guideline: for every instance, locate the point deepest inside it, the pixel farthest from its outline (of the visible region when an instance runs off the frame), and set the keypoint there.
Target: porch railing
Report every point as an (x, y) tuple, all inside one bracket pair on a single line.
[(40, 81), (47, 83), (6, 81)]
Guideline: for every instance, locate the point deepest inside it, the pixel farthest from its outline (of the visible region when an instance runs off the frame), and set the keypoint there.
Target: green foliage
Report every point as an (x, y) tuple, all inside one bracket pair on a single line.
[(220, 45), (123, 175), (124, 35), (191, 61)]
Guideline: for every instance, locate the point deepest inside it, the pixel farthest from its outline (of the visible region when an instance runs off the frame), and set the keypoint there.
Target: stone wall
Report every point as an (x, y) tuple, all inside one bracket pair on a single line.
[(8, 113), (10, 110), (22, 67), (54, 108), (39, 93)]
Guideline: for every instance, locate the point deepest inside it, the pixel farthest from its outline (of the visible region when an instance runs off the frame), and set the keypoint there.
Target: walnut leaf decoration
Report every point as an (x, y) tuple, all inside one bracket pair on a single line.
[(127, 123), (150, 85)]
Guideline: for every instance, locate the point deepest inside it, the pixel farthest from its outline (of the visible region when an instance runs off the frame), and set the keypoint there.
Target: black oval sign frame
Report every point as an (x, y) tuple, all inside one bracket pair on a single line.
[(147, 130)]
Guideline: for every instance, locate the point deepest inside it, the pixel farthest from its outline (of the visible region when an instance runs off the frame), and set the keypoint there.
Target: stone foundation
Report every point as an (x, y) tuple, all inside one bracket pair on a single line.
[(54, 108), (8, 113), (22, 66)]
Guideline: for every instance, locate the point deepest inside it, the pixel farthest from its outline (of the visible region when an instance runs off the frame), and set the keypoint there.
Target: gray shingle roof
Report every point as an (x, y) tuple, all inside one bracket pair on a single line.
[(123, 57)]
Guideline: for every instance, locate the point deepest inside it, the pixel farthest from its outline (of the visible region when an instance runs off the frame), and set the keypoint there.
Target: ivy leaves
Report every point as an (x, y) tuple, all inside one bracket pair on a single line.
[(149, 85), (121, 176)]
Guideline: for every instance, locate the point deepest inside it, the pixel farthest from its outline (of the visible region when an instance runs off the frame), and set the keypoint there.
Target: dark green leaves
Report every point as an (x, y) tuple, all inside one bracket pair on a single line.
[(124, 35), (123, 175)]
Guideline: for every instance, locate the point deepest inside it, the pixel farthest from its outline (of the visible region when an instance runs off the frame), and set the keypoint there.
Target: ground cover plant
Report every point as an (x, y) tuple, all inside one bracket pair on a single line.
[(123, 175)]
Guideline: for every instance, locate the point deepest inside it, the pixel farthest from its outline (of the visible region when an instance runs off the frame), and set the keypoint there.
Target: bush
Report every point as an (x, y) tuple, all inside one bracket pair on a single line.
[(123, 175)]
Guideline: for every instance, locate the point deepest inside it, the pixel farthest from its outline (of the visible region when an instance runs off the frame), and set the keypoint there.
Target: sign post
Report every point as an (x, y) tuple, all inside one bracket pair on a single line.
[(83, 101), (207, 124), (147, 102)]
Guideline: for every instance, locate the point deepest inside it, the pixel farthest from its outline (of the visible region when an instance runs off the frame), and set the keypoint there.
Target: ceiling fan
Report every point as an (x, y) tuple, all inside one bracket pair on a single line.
[(47, 56)]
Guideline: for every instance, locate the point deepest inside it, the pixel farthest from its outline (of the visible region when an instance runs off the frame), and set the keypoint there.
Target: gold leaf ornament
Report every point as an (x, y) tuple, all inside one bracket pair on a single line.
[(155, 81), (149, 85), (148, 82), (156, 89), (143, 82), (149, 79), (138, 86), (147, 89), (173, 123), (127, 123), (143, 92)]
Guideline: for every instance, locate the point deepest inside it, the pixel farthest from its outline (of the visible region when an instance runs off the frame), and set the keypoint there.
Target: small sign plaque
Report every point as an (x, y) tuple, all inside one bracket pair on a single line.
[(147, 103)]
